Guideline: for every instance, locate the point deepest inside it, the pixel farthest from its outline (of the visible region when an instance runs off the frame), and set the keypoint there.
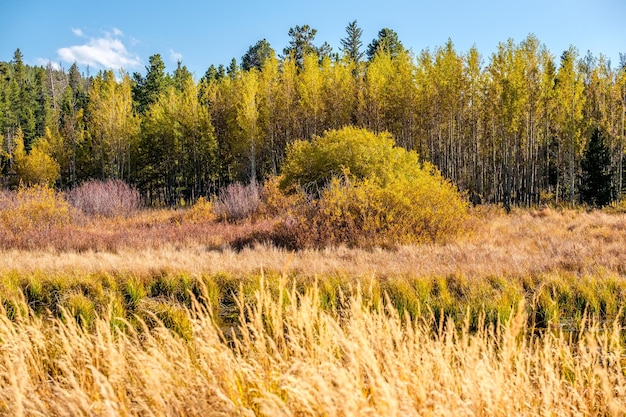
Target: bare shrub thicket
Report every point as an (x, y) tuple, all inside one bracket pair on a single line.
[(105, 198), (238, 201)]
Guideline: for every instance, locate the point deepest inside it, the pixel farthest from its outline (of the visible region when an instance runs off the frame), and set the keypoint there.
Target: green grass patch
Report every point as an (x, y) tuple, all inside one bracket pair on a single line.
[(557, 301)]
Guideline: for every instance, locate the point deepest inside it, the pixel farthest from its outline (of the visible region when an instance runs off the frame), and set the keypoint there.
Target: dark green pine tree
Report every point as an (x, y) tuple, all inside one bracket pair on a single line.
[(596, 188), (387, 41), (181, 76), (75, 80), (351, 44), (256, 55), (43, 110), (301, 43), (209, 75), (23, 99), (146, 90), (326, 51), (221, 72), (232, 69)]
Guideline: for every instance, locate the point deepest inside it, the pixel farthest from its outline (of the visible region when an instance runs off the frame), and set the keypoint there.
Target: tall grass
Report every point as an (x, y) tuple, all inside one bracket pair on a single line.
[(554, 302), (289, 356), (156, 314)]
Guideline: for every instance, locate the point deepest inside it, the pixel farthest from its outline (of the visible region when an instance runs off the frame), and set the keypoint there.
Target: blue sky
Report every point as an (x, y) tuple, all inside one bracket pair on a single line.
[(114, 34)]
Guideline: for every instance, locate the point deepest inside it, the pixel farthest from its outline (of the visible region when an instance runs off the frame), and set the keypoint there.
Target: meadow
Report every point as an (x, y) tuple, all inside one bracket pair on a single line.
[(169, 312)]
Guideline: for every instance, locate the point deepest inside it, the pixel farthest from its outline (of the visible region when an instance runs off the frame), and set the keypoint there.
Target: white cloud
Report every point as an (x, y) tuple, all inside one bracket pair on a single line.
[(106, 52), (175, 56), (45, 61), (78, 32)]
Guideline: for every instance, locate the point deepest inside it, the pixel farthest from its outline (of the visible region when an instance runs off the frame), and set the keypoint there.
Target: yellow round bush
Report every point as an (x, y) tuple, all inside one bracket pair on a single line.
[(312, 165), (365, 191)]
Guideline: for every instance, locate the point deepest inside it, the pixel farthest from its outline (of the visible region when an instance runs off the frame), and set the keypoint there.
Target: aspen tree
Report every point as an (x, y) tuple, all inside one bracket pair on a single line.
[(113, 124), (310, 89), (269, 118), (247, 88), (569, 114)]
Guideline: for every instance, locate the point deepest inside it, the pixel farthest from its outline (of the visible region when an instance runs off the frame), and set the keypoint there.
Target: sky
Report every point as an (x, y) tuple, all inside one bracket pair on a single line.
[(117, 34)]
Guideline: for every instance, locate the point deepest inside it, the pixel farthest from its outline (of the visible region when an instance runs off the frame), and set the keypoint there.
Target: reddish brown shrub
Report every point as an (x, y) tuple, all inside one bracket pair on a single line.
[(105, 198), (238, 201)]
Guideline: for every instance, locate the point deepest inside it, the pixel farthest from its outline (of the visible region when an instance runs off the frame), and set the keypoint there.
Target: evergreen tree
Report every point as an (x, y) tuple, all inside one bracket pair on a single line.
[(221, 72), (147, 90), (232, 69), (387, 42), (19, 73), (301, 43), (75, 79), (43, 109), (23, 100), (326, 51), (209, 75), (351, 44), (256, 55), (181, 76), (596, 188)]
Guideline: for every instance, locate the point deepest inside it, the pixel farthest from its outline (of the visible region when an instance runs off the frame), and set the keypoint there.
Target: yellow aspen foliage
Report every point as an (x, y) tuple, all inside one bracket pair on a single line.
[(247, 116), (36, 167), (310, 90), (311, 165)]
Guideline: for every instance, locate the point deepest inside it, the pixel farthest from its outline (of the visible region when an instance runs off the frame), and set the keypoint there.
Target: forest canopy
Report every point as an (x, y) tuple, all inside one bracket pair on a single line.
[(512, 127)]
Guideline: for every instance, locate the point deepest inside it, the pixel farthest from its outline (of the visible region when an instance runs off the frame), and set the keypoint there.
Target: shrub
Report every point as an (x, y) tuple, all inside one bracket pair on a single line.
[(312, 165), (389, 198), (364, 214), (399, 213), (202, 211), (105, 198), (274, 202), (33, 208), (238, 201)]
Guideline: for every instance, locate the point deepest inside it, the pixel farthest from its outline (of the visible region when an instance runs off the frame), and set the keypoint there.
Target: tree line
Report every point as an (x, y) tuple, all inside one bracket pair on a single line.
[(512, 128)]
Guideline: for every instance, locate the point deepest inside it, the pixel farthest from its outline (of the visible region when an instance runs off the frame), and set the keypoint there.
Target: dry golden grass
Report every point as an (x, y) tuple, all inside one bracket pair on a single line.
[(290, 357), (523, 243), (299, 353)]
